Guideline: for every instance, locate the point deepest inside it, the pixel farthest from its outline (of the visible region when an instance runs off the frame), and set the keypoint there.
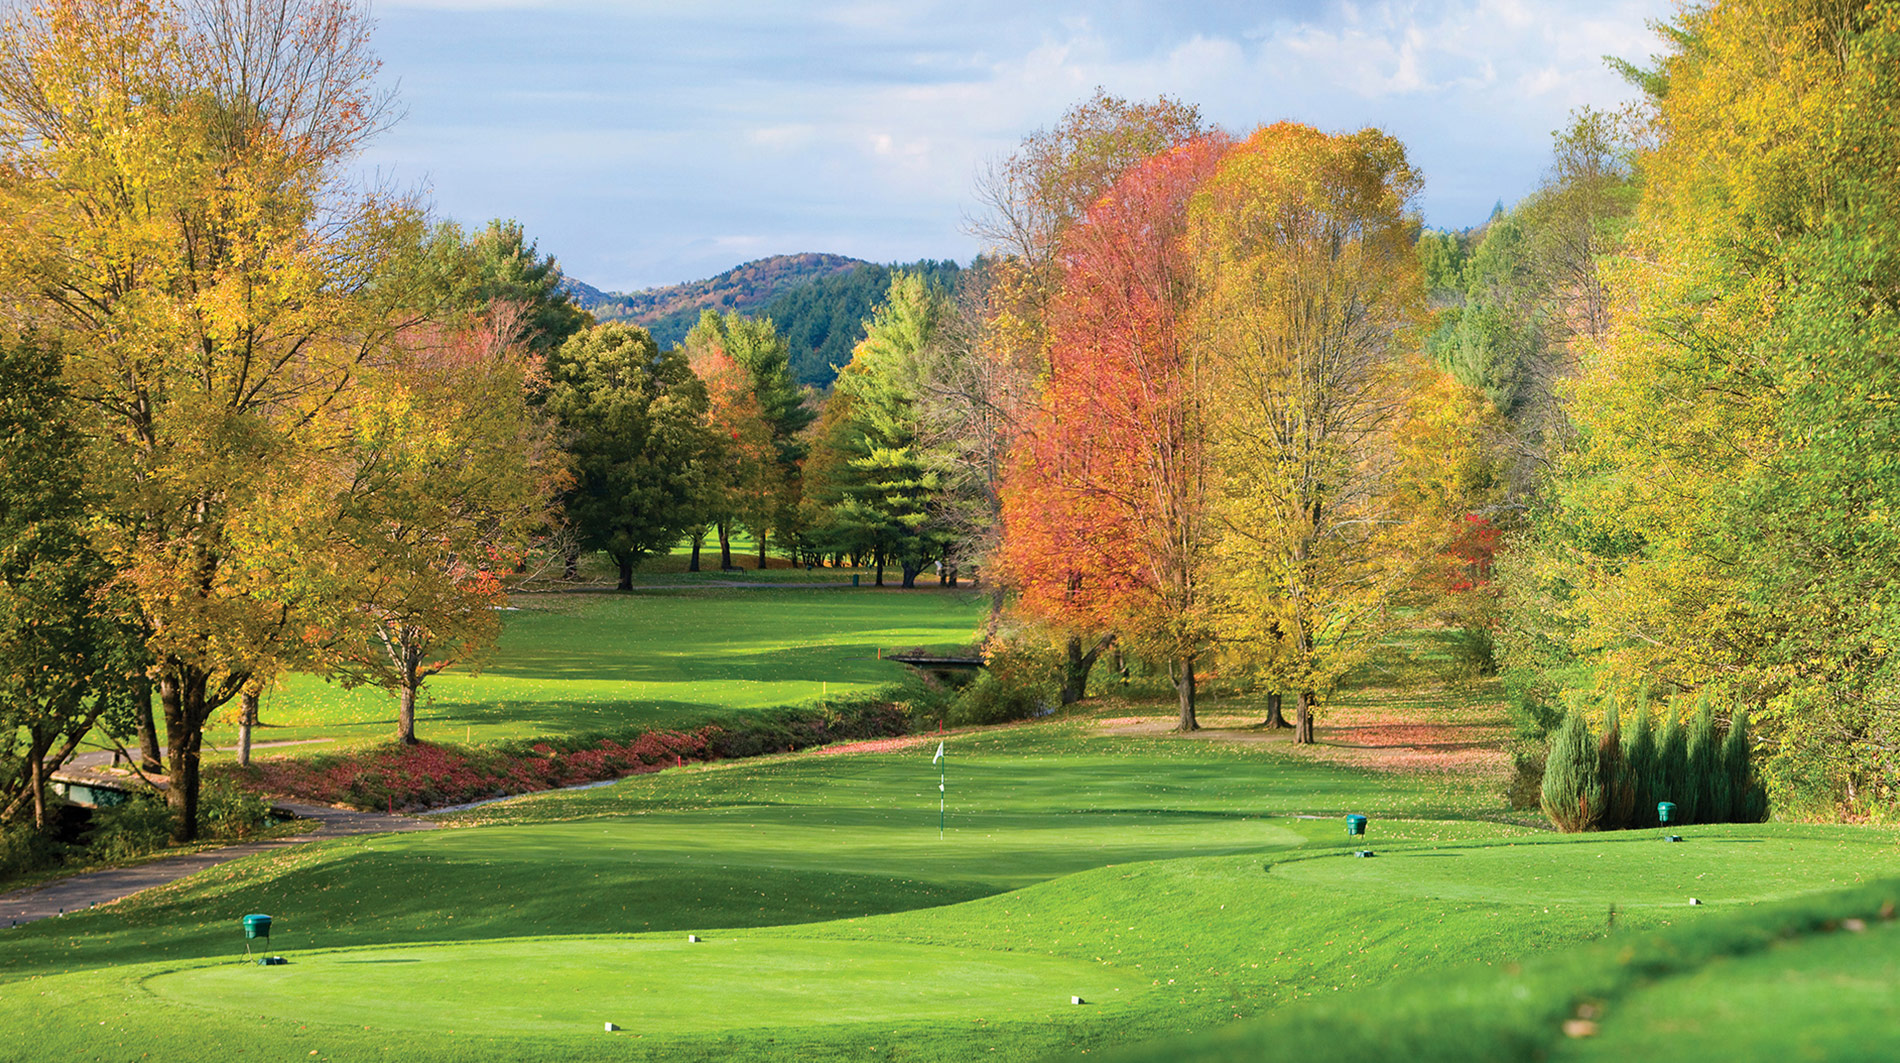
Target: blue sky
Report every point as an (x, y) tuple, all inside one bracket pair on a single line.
[(648, 143)]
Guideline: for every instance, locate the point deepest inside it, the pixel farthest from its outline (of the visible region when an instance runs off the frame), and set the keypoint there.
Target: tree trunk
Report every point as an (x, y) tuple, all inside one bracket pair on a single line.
[(406, 715), (150, 760), (38, 768), (247, 719), (699, 539), (571, 565), (725, 546), (1077, 665), (910, 572), (1184, 693), (991, 622), (182, 694), (625, 561), (880, 569), (761, 550), (1303, 719), (1276, 719)]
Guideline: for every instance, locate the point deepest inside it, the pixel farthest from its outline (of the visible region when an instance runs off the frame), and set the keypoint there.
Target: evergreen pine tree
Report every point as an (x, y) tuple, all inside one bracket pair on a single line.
[(1573, 783), (1670, 771), (1706, 776), (1639, 763), (1619, 787)]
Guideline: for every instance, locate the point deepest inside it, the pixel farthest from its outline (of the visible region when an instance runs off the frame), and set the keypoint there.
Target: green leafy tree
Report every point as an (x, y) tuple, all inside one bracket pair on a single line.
[(498, 264), (633, 422), (64, 661), (173, 209), (883, 482)]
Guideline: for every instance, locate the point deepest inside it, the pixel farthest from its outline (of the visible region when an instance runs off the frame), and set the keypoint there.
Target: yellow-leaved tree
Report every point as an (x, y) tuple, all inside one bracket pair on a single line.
[(1337, 448), (173, 198)]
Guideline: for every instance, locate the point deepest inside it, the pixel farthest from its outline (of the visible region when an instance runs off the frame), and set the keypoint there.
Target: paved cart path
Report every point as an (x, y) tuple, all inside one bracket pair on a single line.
[(104, 887)]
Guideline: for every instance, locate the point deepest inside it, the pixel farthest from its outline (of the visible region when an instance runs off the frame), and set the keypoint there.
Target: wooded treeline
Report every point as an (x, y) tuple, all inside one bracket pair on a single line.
[(1214, 403)]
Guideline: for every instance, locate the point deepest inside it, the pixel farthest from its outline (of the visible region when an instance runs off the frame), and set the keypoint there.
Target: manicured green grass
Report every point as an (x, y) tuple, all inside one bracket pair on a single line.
[(1827, 996), (1182, 874), (580, 663), (553, 987)]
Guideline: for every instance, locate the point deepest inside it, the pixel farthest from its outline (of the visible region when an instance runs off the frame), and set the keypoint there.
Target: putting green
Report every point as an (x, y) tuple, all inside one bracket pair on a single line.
[(1715, 865), (553, 986)]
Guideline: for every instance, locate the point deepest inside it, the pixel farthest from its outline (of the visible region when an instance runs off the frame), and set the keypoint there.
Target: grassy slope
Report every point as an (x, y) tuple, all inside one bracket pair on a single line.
[(1144, 860), (580, 663)]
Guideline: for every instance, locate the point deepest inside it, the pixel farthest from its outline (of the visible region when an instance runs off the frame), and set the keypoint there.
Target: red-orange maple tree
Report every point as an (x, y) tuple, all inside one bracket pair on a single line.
[(1105, 498)]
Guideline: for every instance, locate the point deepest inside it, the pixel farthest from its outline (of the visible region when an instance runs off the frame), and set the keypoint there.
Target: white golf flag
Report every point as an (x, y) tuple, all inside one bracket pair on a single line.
[(939, 755)]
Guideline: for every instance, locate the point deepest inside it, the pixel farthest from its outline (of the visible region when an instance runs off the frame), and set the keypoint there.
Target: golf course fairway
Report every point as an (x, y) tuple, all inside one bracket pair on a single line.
[(543, 986)]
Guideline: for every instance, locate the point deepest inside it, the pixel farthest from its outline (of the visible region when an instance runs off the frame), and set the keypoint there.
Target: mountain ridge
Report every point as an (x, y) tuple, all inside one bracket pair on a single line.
[(668, 311)]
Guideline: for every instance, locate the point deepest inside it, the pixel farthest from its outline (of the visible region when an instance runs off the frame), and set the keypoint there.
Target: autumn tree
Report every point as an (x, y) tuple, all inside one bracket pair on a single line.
[(744, 482), (632, 419), (756, 347), (452, 477), (1311, 299), (979, 400), (1106, 505), (175, 202), (1722, 520)]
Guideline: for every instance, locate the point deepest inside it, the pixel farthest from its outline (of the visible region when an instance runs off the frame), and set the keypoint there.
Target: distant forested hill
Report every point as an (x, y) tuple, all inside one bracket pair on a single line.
[(668, 312), (822, 320), (818, 302)]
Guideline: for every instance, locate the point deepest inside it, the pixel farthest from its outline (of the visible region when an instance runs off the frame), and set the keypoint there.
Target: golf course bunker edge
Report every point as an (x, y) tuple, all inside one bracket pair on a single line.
[(548, 986)]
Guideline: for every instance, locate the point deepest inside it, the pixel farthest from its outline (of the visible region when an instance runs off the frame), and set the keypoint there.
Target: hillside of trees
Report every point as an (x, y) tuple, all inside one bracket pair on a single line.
[(668, 312), (822, 320)]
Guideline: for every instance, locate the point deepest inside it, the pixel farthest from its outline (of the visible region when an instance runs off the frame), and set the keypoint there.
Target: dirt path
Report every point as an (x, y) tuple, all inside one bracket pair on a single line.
[(104, 887)]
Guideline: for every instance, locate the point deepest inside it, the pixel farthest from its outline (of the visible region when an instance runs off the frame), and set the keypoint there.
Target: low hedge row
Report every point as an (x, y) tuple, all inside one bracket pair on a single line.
[(396, 777)]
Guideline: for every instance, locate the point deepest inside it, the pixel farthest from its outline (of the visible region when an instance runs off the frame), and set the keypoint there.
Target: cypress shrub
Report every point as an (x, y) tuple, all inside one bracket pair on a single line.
[(1619, 789), (1639, 764), (1670, 770), (1748, 795), (1573, 785), (1706, 777)]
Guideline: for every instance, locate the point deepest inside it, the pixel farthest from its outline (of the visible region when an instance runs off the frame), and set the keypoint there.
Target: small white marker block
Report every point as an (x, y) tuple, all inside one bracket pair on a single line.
[(1075, 1000), (1692, 900), (611, 1027), (692, 937)]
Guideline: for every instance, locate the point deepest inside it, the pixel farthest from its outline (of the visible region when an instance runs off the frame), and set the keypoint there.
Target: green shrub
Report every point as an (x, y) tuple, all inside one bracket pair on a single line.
[(1619, 786), (1670, 772), (1639, 765), (1019, 683), (228, 810), (140, 825), (1573, 784), (1525, 788), (23, 849)]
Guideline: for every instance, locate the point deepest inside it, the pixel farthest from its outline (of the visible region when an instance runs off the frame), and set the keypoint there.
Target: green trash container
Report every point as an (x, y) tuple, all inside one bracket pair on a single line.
[(1665, 811), (1355, 824), (854, 579), (256, 926)]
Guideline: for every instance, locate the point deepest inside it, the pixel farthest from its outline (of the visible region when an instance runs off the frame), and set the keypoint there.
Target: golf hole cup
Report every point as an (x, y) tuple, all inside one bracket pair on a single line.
[(1355, 825)]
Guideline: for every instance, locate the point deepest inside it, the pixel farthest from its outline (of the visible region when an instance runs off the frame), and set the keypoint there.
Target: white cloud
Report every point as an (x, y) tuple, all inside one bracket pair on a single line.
[(626, 137)]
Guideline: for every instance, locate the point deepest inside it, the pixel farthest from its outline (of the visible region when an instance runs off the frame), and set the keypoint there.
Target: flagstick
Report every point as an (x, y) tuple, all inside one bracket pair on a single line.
[(941, 769)]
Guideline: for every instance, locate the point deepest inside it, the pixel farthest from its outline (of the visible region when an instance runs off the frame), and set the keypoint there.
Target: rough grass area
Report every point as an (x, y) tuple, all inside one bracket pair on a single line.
[(606, 663)]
